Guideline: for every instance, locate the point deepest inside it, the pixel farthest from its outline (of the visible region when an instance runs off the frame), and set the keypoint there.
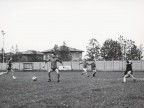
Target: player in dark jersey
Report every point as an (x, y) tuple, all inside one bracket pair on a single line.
[(93, 68), (53, 60), (85, 64), (128, 72), (9, 68)]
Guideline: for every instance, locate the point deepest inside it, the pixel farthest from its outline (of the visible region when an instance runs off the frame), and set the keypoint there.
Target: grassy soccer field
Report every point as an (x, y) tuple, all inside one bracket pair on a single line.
[(106, 90)]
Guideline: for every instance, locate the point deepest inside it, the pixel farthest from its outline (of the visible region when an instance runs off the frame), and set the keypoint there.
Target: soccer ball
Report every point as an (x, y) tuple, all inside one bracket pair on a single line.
[(34, 78), (14, 77)]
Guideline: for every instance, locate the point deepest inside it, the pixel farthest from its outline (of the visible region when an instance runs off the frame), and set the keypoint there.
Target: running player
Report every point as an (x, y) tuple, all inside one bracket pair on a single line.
[(128, 72), (93, 68), (85, 64), (9, 68), (53, 60)]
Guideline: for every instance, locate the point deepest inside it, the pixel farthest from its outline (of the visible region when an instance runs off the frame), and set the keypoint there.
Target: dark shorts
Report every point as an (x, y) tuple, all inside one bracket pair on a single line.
[(93, 68), (53, 69), (9, 68)]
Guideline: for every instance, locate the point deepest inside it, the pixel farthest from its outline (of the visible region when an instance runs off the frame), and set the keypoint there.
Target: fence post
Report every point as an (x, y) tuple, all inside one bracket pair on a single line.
[(113, 65), (104, 65), (141, 65), (39, 66), (47, 66), (105, 62), (19, 65), (122, 65), (71, 65)]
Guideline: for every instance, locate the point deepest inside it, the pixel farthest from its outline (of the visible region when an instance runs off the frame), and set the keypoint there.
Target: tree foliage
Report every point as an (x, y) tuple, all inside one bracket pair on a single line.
[(1, 55), (111, 50), (93, 49), (56, 50), (62, 52), (15, 54), (133, 53), (129, 49)]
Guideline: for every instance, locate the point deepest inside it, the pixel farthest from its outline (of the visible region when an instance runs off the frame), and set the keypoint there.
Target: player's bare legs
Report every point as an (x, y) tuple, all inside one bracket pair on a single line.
[(13, 74), (94, 73), (128, 75), (3, 73), (85, 71), (134, 79), (124, 78), (49, 75), (58, 75)]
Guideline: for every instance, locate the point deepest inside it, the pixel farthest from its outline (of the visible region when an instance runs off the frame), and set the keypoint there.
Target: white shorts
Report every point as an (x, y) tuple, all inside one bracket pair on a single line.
[(85, 69), (129, 72), (94, 70)]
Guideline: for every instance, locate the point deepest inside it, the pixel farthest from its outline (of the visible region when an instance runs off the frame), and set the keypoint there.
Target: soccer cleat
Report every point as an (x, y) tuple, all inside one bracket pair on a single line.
[(93, 75), (58, 80), (134, 80), (49, 80)]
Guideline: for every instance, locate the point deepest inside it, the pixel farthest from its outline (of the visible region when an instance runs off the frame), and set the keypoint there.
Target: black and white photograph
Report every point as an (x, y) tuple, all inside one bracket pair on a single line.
[(71, 53)]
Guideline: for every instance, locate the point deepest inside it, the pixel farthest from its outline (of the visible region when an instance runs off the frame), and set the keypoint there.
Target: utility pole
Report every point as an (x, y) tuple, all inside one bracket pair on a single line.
[(3, 33)]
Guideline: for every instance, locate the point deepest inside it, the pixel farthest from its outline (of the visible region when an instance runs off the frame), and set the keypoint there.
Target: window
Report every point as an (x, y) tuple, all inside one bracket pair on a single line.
[(77, 54)]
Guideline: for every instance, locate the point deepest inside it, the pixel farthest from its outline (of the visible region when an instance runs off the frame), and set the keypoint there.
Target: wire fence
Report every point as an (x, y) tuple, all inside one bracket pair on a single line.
[(100, 65)]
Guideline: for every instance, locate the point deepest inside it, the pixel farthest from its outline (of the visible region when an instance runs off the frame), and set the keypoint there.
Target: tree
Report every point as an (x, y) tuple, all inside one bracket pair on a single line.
[(64, 52), (93, 49), (18, 54), (133, 53), (129, 49), (141, 49), (1, 55), (15, 54), (111, 50), (56, 50)]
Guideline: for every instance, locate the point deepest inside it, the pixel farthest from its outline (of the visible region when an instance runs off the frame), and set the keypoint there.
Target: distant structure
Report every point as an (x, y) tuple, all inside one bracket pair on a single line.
[(76, 54), (31, 56)]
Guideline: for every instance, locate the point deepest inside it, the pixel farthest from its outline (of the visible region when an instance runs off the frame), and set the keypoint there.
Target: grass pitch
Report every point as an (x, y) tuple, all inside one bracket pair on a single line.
[(74, 90)]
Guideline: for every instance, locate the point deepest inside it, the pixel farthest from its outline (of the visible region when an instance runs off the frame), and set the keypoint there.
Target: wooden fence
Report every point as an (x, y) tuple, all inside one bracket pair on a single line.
[(101, 66)]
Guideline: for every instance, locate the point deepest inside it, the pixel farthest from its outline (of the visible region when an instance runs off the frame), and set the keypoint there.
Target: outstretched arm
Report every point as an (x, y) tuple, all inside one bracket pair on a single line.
[(60, 61), (45, 62)]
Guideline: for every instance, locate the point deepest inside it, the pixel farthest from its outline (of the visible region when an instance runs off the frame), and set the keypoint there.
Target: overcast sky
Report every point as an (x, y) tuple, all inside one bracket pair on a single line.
[(40, 24)]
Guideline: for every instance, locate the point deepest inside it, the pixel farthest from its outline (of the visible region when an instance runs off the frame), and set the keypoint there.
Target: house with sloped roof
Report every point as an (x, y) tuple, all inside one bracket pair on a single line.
[(31, 56), (76, 54)]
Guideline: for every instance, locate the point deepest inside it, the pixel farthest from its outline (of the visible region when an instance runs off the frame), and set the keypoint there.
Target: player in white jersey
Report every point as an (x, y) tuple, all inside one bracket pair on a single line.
[(85, 64)]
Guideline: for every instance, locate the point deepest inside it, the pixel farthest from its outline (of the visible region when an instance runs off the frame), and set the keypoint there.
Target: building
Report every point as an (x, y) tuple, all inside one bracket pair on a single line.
[(75, 53), (31, 56)]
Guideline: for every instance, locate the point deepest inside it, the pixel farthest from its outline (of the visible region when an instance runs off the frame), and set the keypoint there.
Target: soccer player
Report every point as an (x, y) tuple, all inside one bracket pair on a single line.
[(53, 60), (128, 73), (85, 64), (9, 68), (93, 68)]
